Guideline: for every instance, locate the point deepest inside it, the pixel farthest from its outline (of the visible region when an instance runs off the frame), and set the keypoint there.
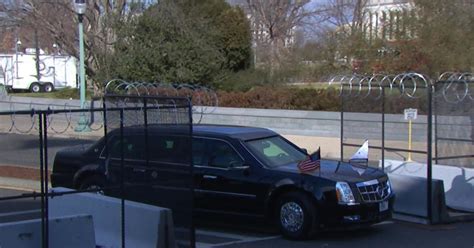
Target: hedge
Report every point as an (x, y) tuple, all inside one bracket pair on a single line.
[(327, 99)]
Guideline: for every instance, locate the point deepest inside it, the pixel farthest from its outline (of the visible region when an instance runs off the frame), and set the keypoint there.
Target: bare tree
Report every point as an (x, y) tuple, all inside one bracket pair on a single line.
[(275, 22), (58, 20), (348, 15), (347, 21)]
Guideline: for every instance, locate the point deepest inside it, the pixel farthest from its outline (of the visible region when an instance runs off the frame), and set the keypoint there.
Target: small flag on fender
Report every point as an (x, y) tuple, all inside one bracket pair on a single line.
[(311, 162), (360, 160)]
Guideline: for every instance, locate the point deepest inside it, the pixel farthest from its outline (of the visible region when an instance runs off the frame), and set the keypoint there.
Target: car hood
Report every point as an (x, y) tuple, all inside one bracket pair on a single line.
[(336, 171), (74, 151)]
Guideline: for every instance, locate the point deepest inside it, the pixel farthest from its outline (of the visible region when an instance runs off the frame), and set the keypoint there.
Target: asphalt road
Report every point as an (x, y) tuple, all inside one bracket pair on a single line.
[(387, 235), (23, 150)]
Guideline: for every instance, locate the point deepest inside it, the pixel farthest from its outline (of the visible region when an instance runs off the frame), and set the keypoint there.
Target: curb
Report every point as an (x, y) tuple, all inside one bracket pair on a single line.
[(21, 172), (20, 184), (20, 178)]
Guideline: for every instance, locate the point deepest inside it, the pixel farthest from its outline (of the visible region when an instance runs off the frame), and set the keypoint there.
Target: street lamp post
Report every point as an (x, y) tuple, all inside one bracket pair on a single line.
[(80, 8), (18, 44)]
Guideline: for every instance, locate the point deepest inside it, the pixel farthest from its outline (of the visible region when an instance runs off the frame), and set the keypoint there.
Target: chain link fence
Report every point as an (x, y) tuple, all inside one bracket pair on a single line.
[(47, 148), (419, 127)]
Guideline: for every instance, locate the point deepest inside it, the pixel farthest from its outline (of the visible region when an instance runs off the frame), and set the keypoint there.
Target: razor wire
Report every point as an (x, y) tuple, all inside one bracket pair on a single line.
[(362, 86), (64, 118), (204, 99), (453, 87), (456, 87), (58, 121)]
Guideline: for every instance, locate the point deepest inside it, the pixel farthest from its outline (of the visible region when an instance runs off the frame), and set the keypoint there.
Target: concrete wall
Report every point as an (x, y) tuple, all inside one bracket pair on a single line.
[(311, 129)]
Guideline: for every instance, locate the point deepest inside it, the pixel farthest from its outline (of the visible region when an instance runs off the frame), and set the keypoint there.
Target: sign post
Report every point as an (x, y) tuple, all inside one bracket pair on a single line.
[(410, 115)]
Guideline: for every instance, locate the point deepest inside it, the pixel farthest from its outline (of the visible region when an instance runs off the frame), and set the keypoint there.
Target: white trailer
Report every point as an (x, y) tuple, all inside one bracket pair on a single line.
[(18, 71)]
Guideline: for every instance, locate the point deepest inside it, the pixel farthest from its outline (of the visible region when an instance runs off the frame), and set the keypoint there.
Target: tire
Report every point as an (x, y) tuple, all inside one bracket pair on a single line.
[(35, 87), (48, 87), (93, 182), (295, 215)]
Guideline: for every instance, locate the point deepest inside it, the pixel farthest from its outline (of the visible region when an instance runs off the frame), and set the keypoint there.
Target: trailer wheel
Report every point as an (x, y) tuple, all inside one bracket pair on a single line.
[(48, 87), (35, 87)]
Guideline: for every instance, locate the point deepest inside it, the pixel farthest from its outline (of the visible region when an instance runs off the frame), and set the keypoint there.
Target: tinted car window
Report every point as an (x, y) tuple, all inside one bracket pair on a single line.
[(133, 147), (173, 149), (275, 151), (199, 151), (222, 155)]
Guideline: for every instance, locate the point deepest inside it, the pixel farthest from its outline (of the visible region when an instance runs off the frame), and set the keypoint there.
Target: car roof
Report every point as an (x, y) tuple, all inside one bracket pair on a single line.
[(208, 130), (237, 132)]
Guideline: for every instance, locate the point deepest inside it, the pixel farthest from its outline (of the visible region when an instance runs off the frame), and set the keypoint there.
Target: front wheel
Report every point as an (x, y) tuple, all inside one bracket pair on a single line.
[(295, 215), (93, 183)]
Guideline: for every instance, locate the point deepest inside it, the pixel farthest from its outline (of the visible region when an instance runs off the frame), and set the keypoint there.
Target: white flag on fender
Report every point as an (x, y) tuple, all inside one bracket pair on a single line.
[(360, 159)]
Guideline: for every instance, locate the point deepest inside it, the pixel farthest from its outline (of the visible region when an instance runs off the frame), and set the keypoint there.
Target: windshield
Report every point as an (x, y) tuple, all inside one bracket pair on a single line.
[(275, 151)]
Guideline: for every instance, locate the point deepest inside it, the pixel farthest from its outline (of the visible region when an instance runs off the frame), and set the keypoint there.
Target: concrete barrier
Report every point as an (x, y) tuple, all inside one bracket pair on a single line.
[(145, 225), (67, 231), (412, 197), (20, 215), (458, 182)]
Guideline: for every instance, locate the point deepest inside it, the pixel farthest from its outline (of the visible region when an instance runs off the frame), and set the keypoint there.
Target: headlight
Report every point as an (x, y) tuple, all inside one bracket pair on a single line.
[(344, 194), (389, 187)]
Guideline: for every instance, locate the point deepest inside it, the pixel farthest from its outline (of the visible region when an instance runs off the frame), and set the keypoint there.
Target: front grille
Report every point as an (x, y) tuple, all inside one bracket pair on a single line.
[(374, 190)]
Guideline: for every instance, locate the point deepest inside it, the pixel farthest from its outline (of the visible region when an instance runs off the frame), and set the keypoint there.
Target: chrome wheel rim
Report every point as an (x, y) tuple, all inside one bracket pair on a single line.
[(291, 216)]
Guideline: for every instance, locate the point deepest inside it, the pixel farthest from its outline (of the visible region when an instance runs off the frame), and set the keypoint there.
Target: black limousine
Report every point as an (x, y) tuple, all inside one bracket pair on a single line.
[(236, 170)]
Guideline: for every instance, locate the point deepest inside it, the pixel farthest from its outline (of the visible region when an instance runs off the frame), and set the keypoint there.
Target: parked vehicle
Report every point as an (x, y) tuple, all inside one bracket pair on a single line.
[(237, 170), (18, 71)]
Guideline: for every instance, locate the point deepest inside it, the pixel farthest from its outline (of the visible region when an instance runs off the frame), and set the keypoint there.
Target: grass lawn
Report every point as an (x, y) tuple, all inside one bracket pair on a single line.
[(67, 93)]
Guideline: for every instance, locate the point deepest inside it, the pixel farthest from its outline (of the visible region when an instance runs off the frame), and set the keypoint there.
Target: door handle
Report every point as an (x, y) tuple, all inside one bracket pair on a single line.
[(138, 170), (209, 177)]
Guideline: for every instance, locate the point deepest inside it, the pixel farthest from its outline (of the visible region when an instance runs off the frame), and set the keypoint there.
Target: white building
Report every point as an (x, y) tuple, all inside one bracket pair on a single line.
[(260, 34), (383, 17)]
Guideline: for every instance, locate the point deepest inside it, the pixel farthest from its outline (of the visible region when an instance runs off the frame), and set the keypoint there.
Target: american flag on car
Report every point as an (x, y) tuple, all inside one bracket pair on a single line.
[(311, 162)]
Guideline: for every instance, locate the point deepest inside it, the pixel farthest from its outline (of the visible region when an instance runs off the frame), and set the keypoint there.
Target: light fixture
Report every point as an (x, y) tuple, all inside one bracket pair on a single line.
[(80, 6)]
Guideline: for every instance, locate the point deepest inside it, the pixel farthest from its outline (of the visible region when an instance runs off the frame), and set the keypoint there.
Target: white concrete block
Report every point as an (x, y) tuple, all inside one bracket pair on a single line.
[(68, 231), (458, 182), (145, 225)]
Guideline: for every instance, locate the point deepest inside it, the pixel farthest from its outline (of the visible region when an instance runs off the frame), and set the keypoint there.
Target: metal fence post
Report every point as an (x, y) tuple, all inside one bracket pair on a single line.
[(436, 124), (342, 122), (429, 161), (193, 232), (383, 127), (44, 239), (145, 120), (122, 183), (45, 171)]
